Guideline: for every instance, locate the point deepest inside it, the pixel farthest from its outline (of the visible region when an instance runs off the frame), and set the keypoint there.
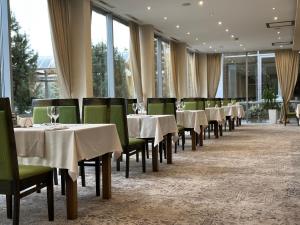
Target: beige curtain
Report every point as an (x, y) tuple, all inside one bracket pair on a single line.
[(59, 12), (201, 74), (191, 76), (135, 60), (287, 65), (174, 72), (213, 73)]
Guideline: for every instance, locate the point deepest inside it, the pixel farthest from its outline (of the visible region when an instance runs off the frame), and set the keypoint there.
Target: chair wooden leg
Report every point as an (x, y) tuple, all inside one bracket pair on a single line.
[(147, 149), (50, 199), (97, 174), (175, 148), (137, 156), (63, 182), (183, 141), (9, 206), (55, 176), (82, 173), (127, 165), (160, 153), (144, 159), (118, 164), (16, 213)]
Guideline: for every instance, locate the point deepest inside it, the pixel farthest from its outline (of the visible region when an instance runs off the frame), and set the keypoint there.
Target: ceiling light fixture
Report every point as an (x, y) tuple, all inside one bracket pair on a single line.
[(273, 8), (227, 30), (210, 46), (244, 49), (280, 46), (278, 32), (188, 33), (279, 38), (241, 45), (232, 36), (165, 18), (200, 3), (275, 18), (197, 39), (177, 26), (204, 43), (220, 23)]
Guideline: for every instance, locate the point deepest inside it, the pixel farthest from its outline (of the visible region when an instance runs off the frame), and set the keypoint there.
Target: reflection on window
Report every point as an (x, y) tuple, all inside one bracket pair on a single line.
[(99, 55), (33, 68), (123, 77)]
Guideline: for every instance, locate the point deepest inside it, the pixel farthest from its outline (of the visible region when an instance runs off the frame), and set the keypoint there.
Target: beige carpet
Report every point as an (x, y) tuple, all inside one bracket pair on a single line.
[(249, 176)]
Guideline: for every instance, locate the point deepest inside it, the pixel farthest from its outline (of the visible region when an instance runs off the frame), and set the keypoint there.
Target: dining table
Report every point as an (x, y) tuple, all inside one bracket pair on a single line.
[(195, 121), (216, 116), (63, 146), (155, 128), (234, 112)]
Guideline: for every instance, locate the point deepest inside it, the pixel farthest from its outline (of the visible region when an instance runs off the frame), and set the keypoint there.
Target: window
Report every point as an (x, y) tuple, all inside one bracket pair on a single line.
[(99, 54), (162, 63), (33, 68)]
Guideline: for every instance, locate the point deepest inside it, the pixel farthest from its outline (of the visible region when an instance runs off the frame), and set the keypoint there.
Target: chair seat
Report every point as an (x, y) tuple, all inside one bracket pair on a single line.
[(291, 114), (136, 142), (180, 128), (30, 171)]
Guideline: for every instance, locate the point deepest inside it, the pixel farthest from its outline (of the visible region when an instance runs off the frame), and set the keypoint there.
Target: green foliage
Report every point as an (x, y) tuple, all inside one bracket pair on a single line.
[(269, 95), (24, 65), (100, 77)]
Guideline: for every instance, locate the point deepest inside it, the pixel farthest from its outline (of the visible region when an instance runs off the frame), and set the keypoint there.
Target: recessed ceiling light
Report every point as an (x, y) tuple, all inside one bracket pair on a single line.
[(165, 18), (275, 18), (210, 46), (278, 32), (200, 3), (197, 39), (227, 30), (244, 49), (279, 38), (204, 43), (215, 50), (149, 7), (177, 26), (280, 46), (232, 36), (188, 33), (241, 45), (273, 8), (220, 23)]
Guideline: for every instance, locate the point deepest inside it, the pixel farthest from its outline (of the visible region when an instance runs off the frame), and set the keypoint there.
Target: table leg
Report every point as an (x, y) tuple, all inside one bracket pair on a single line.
[(233, 120), (71, 196), (106, 176), (201, 136), (169, 148), (193, 134), (155, 159), (221, 129), (216, 129)]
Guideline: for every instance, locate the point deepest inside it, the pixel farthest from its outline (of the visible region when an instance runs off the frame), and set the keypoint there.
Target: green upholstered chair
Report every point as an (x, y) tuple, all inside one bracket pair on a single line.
[(113, 110), (155, 108), (129, 103), (190, 105), (226, 101), (19, 181)]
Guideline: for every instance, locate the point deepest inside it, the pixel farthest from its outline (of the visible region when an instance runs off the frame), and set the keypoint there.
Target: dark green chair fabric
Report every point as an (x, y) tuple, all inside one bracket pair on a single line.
[(117, 117), (95, 114), (129, 103), (39, 115), (226, 102), (155, 108), (17, 181), (190, 105), (67, 115), (170, 109)]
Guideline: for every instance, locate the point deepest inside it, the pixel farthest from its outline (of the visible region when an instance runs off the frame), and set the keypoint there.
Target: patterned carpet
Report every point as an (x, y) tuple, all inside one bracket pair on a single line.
[(249, 176)]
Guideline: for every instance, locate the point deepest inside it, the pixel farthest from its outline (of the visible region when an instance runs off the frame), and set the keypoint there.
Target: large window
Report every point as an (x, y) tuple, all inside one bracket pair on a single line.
[(162, 59), (110, 56), (33, 68)]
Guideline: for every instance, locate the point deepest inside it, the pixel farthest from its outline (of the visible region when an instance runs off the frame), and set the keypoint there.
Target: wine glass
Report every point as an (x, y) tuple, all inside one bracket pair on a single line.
[(182, 105), (49, 113), (222, 103), (178, 105), (134, 107), (55, 113), (208, 104)]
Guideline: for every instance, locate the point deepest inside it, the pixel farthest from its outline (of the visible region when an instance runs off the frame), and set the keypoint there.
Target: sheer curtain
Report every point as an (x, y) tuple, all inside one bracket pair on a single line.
[(287, 65), (168, 84), (59, 11), (174, 71), (135, 62), (191, 75), (213, 73)]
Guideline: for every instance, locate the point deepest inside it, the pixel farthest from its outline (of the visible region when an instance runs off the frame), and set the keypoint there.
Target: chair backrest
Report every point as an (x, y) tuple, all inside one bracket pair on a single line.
[(226, 101), (161, 106), (218, 102), (210, 102), (8, 155), (129, 103), (194, 103), (107, 110), (68, 110)]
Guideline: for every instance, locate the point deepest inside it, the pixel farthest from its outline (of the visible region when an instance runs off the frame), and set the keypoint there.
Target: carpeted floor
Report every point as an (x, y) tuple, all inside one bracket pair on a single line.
[(249, 176)]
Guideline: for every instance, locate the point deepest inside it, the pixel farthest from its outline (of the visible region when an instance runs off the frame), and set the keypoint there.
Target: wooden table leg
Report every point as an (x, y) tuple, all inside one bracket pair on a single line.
[(106, 176), (193, 134), (233, 120), (216, 129), (155, 166), (169, 148), (201, 136), (221, 129), (71, 196)]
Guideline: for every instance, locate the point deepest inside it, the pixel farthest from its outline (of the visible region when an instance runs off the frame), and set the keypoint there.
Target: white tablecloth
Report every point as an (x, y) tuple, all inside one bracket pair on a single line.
[(215, 113), (241, 111), (192, 119), (298, 111), (231, 111), (146, 126), (64, 148)]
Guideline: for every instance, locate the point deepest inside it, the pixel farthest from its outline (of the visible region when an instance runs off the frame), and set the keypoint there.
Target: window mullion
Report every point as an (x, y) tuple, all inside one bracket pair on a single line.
[(159, 68), (110, 56)]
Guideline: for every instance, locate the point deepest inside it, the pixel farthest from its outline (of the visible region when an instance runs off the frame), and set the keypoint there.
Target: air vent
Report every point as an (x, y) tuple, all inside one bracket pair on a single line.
[(282, 43), (281, 24), (236, 39), (186, 4), (106, 4)]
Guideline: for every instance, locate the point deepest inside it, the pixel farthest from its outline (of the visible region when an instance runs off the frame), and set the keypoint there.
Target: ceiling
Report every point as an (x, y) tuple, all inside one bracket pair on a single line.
[(245, 19)]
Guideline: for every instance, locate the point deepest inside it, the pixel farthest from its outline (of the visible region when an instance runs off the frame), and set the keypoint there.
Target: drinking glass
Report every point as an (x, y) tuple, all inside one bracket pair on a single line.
[(55, 113), (222, 103), (134, 107), (208, 104), (182, 105), (49, 113), (178, 105)]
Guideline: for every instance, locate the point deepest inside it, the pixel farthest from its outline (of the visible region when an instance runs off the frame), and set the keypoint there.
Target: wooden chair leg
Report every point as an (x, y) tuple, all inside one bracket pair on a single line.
[(82, 174), (16, 213), (9, 206), (118, 164), (183, 141), (137, 156), (97, 174), (127, 165), (160, 153), (55, 176), (175, 148), (63, 182), (147, 149), (50, 199), (144, 159)]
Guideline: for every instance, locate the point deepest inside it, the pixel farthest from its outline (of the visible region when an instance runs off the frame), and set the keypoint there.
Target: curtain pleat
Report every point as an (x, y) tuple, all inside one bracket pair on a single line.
[(213, 73)]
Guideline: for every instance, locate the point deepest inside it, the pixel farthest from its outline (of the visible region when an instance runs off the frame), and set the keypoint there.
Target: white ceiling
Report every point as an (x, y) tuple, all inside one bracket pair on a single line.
[(246, 19)]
